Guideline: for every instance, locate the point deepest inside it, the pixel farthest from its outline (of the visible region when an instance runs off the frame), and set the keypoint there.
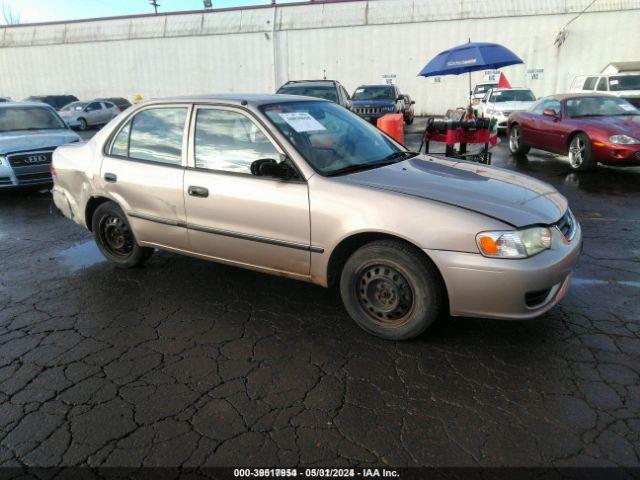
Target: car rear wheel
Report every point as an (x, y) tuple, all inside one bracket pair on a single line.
[(516, 145), (115, 238), (391, 290), (580, 155), (83, 124)]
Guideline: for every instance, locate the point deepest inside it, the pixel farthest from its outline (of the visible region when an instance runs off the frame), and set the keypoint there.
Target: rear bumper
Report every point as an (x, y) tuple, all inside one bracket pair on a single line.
[(508, 289)]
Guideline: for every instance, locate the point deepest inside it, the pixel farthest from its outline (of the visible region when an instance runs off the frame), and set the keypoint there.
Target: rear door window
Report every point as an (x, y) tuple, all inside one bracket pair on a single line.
[(590, 83), (154, 134), (602, 85)]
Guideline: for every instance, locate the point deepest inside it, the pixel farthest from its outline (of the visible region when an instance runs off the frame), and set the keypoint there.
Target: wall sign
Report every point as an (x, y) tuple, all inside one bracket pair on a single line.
[(437, 80), (390, 79), (491, 75), (535, 73)]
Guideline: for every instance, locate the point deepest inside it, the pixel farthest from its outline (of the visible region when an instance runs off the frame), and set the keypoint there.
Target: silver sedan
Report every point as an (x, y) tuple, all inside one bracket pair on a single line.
[(83, 115), (303, 188)]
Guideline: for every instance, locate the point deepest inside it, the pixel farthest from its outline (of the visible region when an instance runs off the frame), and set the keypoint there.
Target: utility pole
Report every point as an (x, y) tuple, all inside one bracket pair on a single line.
[(155, 5)]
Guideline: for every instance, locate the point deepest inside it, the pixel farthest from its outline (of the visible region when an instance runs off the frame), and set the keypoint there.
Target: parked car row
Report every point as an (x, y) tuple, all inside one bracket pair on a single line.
[(368, 101)]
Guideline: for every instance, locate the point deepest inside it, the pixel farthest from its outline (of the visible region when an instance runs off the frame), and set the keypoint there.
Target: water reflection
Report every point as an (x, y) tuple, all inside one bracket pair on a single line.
[(81, 256)]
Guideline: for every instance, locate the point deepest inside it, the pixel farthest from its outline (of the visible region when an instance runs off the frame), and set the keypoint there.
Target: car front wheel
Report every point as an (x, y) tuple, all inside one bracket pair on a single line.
[(516, 145), (391, 290), (83, 124), (115, 238), (580, 155)]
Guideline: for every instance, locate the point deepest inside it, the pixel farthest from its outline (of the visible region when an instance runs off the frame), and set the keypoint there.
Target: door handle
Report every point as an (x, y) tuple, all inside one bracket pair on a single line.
[(111, 177), (198, 192)]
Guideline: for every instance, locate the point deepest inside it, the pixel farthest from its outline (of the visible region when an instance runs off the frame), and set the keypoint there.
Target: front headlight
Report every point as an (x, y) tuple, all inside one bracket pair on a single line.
[(3, 160), (514, 243), (624, 140)]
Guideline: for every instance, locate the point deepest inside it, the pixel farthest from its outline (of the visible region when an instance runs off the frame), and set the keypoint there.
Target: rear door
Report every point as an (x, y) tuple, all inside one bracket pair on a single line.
[(143, 171), (234, 215), (94, 113)]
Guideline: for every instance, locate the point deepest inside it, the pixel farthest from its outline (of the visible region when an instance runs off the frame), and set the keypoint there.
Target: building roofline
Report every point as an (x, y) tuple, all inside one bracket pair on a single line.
[(183, 12)]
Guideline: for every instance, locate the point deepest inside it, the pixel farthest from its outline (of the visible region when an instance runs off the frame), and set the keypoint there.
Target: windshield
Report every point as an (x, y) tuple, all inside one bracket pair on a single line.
[(512, 96), (483, 88), (374, 93), (74, 106), (327, 93), (624, 82), (29, 118), (599, 107), (332, 139)]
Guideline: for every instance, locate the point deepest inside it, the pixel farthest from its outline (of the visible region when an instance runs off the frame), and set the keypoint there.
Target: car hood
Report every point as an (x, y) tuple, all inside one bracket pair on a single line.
[(629, 124), (34, 139), (511, 106), (372, 103), (511, 197)]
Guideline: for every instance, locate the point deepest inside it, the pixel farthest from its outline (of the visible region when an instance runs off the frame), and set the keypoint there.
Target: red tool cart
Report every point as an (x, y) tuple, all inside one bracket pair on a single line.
[(464, 132)]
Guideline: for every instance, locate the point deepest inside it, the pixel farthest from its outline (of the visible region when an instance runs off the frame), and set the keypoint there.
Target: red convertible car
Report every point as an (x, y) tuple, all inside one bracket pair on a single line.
[(589, 128)]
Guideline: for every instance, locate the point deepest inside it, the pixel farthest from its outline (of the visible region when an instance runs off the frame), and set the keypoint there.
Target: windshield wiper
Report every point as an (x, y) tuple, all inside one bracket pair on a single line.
[(395, 157), (401, 155)]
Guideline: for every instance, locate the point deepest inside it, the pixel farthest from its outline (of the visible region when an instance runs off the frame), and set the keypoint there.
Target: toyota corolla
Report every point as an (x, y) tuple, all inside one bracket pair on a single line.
[(303, 188)]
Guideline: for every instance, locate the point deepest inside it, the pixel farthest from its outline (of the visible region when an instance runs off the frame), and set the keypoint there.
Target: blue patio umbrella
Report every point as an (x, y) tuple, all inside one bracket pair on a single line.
[(470, 57)]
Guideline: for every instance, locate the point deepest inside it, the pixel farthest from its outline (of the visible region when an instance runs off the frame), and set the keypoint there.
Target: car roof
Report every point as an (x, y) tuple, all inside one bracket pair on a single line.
[(311, 83), (377, 85), (25, 104), (252, 99), (511, 88), (563, 96)]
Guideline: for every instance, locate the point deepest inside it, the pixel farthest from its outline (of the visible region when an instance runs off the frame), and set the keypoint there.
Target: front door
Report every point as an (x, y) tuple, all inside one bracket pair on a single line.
[(234, 215), (144, 173)]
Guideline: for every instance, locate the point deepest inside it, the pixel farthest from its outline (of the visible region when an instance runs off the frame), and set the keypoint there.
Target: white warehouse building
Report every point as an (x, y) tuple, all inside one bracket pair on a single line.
[(256, 49)]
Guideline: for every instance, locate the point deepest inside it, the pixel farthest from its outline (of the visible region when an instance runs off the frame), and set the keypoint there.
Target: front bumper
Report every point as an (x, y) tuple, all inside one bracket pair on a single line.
[(507, 289), (616, 154), (15, 177)]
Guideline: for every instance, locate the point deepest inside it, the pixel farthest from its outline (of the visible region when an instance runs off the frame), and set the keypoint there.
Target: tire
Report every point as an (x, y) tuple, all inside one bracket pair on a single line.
[(516, 145), (580, 154), (391, 290), (83, 124), (115, 239)]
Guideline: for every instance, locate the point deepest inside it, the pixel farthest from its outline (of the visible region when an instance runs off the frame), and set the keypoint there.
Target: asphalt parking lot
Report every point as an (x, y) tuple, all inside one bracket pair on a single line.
[(185, 362)]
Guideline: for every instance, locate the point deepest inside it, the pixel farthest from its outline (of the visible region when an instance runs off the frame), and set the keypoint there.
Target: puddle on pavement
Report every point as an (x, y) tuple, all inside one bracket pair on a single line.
[(81, 256), (578, 282)]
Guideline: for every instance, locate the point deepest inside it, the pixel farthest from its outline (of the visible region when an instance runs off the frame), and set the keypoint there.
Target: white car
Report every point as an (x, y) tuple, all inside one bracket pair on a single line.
[(83, 115), (480, 91), (623, 85), (498, 103)]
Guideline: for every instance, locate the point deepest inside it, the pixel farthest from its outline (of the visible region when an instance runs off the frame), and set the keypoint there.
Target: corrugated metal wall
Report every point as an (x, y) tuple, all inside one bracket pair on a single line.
[(256, 50)]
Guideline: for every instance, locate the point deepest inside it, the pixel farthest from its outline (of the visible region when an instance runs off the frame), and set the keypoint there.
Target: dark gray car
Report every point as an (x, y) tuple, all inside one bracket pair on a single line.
[(330, 90)]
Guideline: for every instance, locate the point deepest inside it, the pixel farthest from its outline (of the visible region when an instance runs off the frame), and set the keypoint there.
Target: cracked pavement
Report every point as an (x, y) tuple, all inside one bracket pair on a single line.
[(190, 363)]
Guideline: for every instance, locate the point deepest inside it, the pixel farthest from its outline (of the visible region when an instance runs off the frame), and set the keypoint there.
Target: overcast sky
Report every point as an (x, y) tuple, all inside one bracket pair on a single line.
[(54, 10)]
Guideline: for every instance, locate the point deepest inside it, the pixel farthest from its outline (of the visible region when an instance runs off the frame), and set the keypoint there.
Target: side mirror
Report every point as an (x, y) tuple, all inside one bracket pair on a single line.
[(268, 167), (413, 102), (400, 99), (550, 112)]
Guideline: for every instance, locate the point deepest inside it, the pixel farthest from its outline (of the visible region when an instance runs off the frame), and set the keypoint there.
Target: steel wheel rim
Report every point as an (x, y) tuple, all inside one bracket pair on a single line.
[(116, 236), (514, 139), (385, 295), (576, 152)]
